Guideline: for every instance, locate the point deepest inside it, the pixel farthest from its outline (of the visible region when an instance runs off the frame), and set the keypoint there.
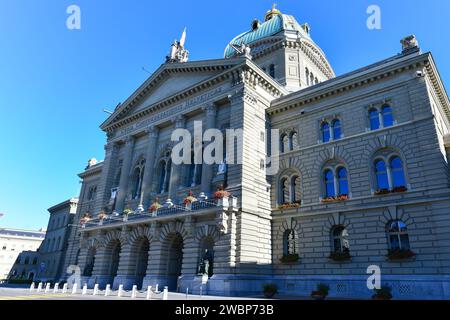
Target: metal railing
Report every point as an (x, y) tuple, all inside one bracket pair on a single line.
[(161, 212)]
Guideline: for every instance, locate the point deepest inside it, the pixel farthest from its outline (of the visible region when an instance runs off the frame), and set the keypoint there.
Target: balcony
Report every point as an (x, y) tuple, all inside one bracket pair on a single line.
[(137, 216)]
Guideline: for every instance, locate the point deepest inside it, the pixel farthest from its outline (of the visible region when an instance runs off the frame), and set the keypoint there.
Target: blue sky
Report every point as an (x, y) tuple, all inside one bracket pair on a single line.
[(54, 82)]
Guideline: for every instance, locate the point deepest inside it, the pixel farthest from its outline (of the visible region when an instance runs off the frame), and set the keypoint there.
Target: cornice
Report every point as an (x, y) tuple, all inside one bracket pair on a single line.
[(436, 81), (245, 71), (162, 73), (346, 83)]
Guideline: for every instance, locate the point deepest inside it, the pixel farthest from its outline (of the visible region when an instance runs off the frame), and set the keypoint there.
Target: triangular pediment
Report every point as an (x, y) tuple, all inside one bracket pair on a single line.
[(167, 81)]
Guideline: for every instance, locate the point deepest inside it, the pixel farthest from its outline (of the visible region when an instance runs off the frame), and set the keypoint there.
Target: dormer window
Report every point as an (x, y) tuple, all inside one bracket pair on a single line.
[(256, 24)]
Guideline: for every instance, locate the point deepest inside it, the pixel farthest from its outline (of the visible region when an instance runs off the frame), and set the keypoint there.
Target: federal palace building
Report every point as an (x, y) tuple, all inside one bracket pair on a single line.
[(358, 177)]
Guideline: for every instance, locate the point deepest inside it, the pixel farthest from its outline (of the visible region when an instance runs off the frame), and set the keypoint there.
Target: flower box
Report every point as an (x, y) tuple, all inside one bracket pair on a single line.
[(384, 293), (380, 192), (221, 193), (321, 292), (400, 254), (399, 189), (290, 258), (154, 207), (340, 256), (285, 206), (340, 198), (270, 290)]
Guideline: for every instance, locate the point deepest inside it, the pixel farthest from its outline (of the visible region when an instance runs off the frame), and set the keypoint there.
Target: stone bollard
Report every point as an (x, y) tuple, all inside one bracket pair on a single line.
[(56, 288), (187, 292), (134, 292), (74, 288), (84, 289), (166, 293), (107, 290), (39, 289), (120, 293), (156, 289), (47, 288), (32, 287), (149, 292), (95, 290), (64, 290)]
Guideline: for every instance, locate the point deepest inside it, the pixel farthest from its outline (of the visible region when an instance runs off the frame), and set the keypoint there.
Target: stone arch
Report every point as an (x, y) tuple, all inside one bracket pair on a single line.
[(171, 260), (394, 213), (288, 174), (384, 142), (173, 227), (207, 230), (290, 224), (385, 151), (337, 153), (139, 232), (338, 219)]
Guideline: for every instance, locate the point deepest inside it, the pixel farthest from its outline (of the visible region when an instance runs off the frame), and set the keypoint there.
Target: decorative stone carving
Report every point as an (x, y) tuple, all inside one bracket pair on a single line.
[(222, 222), (178, 53), (409, 43)]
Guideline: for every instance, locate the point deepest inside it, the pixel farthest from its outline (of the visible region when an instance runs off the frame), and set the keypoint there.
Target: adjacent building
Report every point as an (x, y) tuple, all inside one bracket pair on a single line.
[(53, 250), (12, 243), (337, 174)]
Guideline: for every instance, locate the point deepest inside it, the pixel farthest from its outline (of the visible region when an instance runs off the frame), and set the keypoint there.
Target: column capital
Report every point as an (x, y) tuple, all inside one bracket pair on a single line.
[(179, 121), (210, 109), (129, 140), (244, 95), (152, 131)]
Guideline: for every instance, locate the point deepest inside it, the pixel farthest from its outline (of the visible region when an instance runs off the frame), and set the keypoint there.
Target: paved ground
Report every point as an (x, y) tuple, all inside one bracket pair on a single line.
[(21, 293)]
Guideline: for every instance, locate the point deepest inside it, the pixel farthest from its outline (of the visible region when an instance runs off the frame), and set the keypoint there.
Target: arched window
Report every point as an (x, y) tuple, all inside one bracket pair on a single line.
[(398, 175), (292, 141), (295, 189), (388, 119), (284, 191), (316, 81), (289, 247), (311, 78), (398, 235), (340, 239), (325, 127), (307, 76), (381, 175), (374, 119), (337, 132), (138, 177), (165, 167), (329, 184), (342, 181), (284, 143)]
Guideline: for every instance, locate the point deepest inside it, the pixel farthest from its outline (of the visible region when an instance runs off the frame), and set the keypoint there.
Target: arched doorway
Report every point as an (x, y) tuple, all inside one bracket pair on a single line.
[(142, 248), (174, 260), (114, 258), (90, 260), (206, 256)]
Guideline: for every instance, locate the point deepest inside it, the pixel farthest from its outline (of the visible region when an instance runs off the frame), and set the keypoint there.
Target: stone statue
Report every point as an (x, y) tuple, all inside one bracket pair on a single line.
[(409, 43), (178, 53), (205, 265), (222, 167)]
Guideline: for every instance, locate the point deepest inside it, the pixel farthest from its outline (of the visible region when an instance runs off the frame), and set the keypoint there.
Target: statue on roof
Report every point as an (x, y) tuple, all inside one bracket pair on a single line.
[(178, 53)]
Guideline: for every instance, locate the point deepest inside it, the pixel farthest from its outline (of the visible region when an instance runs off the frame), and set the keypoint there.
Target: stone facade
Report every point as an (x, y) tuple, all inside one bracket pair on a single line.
[(358, 153), (53, 249)]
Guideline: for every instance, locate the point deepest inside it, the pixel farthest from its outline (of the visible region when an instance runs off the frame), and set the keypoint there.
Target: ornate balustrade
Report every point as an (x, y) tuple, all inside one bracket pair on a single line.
[(197, 206)]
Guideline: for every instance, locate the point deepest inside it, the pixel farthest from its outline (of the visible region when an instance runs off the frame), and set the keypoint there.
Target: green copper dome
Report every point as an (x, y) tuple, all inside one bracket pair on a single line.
[(276, 24)]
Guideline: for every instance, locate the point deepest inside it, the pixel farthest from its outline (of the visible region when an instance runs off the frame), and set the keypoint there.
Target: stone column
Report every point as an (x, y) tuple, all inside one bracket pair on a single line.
[(207, 170), (125, 174), (174, 182), (107, 175), (153, 133)]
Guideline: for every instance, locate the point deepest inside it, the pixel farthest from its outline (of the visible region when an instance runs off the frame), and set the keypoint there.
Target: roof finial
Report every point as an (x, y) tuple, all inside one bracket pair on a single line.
[(178, 52), (273, 12)]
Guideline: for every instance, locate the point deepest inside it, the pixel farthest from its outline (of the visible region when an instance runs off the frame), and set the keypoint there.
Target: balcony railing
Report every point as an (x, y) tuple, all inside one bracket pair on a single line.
[(200, 205)]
